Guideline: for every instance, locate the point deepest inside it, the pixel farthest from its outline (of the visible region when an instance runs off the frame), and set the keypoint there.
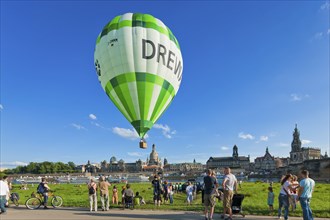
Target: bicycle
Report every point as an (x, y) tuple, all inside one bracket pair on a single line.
[(37, 200)]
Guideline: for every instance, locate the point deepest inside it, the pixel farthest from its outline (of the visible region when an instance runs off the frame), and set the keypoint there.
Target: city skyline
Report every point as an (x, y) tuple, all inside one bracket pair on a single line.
[(252, 70)]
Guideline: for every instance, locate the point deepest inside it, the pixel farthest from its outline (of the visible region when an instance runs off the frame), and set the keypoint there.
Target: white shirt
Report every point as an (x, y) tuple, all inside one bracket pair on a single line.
[(4, 189), (286, 187), (230, 181)]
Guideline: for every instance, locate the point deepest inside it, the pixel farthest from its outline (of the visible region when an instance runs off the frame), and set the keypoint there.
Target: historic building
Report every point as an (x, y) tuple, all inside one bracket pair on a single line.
[(183, 167), (153, 163), (234, 162), (265, 163), (299, 154)]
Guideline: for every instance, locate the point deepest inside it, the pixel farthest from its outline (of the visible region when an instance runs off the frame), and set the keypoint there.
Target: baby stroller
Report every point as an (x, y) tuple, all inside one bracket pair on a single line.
[(129, 202), (236, 205), (14, 197)]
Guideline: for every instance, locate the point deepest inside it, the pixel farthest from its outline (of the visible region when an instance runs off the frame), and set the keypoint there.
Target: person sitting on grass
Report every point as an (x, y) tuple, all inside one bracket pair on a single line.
[(138, 199)]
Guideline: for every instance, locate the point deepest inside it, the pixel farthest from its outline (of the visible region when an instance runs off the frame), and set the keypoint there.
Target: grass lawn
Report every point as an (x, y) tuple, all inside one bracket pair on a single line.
[(255, 201)]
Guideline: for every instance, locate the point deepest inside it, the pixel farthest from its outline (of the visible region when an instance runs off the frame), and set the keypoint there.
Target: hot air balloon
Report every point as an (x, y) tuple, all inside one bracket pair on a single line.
[(139, 65)]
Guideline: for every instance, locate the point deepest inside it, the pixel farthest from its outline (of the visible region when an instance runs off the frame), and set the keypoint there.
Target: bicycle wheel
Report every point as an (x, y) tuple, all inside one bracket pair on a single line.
[(33, 203), (57, 201)]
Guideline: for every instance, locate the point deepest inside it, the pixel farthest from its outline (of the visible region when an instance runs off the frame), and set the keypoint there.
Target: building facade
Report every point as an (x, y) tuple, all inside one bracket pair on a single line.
[(234, 162), (265, 163), (184, 167)]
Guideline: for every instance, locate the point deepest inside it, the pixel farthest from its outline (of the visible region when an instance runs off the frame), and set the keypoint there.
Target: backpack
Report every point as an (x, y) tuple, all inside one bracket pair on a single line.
[(91, 190), (41, 188)]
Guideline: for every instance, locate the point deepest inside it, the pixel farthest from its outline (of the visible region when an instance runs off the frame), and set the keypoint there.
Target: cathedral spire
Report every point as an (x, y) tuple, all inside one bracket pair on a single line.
[(235, 151), (296, 143)]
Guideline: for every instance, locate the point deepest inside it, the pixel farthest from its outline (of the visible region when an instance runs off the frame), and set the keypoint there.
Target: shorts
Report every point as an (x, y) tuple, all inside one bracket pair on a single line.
[(227, 198), (209, 200)]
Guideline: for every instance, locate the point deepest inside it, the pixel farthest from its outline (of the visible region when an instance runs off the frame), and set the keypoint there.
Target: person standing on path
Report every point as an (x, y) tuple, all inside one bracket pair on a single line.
[(229, 185), (306, 188), (104, 193), (210, 184), (92, 195), (4, 192)]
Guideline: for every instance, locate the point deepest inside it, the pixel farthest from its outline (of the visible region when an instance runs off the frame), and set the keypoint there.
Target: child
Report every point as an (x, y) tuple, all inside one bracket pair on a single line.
[(293, 192), (189, 191), (270, 199), (115, 195), (138, 200)]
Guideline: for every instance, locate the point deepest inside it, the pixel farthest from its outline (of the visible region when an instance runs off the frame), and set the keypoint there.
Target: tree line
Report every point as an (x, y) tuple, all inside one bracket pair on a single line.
[(43, 168)]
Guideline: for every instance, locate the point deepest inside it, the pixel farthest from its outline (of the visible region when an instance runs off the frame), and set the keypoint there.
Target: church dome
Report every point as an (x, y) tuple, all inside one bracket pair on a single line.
[(153, 154)]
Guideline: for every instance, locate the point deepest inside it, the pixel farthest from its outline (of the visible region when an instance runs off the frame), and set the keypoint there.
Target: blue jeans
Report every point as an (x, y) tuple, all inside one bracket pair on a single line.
[(283, 201), (305, 206), (45, 198), (171, 199), (3, 201)]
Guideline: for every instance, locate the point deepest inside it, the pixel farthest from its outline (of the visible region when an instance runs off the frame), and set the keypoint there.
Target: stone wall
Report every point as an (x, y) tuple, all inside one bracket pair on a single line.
[(319, 169)]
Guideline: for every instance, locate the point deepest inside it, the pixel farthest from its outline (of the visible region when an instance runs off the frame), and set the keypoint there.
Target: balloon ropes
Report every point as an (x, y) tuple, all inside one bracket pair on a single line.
[(139, 65)]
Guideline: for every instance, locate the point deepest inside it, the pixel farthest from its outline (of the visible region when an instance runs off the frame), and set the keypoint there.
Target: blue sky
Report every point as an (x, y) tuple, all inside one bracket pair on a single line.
[(252, 69)]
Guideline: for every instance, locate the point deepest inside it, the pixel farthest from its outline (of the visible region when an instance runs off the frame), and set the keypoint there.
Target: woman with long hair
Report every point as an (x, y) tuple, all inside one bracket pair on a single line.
[(283, 198)]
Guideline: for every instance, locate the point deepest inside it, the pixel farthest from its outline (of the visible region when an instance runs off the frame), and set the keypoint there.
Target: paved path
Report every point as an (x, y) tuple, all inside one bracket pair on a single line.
[(21, 213)]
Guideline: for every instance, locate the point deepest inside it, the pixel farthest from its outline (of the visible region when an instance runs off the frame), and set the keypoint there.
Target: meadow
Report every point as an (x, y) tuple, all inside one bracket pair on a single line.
[(255, 201)]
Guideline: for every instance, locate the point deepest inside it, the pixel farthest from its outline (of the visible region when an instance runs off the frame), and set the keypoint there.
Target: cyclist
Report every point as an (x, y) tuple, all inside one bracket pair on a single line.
[(43, 189)]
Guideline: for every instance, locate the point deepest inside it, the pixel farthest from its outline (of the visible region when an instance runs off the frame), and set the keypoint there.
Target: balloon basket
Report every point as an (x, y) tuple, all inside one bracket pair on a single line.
[(143, 144)]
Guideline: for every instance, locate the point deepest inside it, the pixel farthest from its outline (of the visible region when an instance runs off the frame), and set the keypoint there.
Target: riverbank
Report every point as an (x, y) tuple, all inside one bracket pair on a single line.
[(255, 202)]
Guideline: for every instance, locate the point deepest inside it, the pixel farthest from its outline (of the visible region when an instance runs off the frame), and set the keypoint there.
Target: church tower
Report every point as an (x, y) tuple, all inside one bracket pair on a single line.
[(235, 152), (296, 154), (296, 143)]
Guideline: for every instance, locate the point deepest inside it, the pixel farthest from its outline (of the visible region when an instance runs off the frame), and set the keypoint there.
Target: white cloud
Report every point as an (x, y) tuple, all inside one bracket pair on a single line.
[(13, 164), (328, 31), (295, 97), (99, 125), (325, 6), (245, 136), (306, 142), (126, 133), (166, 130), (283, 144), (263, 138), (92, 116), (318, 35), (78, 127), (224, 148), (134, 154), (1, 106)]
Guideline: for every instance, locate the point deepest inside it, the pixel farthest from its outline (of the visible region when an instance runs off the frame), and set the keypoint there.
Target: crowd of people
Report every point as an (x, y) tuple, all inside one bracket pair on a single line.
[(129, 199), (291, 192)]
